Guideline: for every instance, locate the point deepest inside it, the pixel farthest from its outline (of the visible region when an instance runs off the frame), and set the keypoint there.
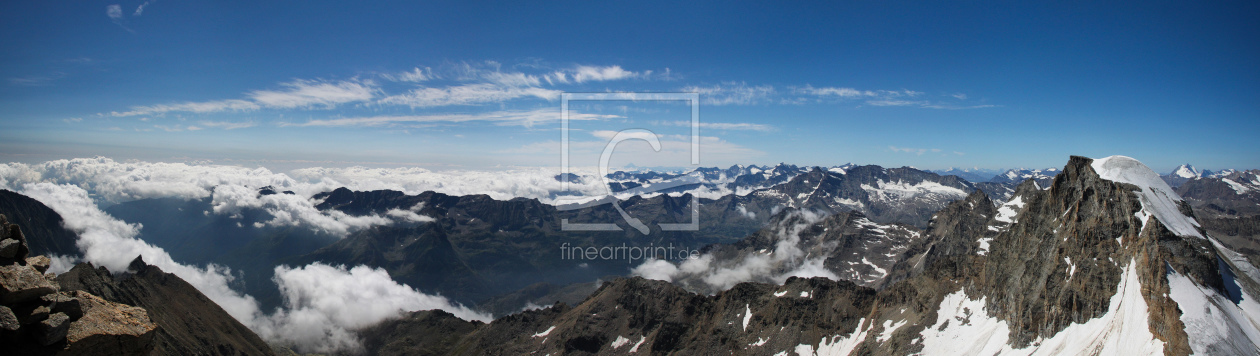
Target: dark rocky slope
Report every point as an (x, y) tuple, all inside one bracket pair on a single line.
[(190, 323), (42, 226)]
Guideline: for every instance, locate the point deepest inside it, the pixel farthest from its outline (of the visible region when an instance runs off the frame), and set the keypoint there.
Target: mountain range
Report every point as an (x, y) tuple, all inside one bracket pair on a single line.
[(1099, 256)]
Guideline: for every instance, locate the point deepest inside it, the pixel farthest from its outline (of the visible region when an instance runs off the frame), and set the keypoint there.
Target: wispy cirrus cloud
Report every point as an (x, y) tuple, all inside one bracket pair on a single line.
[(732, 126), (308, 93), (493, 72), (37, 80), (921, 151), (888, 98), (732, 93), (140, 9), (227, 125), (193, 107), (470, 94), (415, 75), (505, 118), (918, 151), (296, 94)]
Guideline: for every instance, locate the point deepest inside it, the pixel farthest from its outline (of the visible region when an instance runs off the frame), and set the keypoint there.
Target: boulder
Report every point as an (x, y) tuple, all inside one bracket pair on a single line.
[(53, 329), (40, 263), (9, 248), (23, 283), (8, 321), (62, 302), (109, 328), (12, 238), (34, 315)]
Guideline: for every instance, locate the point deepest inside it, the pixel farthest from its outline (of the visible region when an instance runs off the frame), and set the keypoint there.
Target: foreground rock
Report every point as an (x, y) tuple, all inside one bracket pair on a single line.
[(38, 319), (190, 323)]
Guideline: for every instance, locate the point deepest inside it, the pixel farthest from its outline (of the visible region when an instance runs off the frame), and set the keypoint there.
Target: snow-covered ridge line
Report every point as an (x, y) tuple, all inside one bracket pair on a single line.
[(1156, 196)]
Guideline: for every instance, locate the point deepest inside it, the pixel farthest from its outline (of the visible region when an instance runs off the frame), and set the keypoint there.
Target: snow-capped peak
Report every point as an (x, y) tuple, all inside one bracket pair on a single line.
[(1186, 171), (1157, 197)]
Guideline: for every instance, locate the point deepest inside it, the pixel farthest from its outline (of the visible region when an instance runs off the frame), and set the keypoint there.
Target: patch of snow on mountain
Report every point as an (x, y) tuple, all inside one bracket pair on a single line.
[(1238, 188), (881, 271), (964, 328), (637, 344), (889, 328), (1214, 324), (747, 316), (1007, 211), (545, 332), (896, 191), (1156, 196), (619, 342), (984, 244), (1221, 173), (838, 345)]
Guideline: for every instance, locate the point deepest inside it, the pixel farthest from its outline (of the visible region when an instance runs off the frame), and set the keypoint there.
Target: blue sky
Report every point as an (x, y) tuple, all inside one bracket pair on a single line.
[(477, 85)]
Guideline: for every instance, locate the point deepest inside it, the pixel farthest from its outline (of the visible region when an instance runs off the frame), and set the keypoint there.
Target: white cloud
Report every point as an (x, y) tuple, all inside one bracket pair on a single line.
[(411, 214), (513, 79), (596, 73), (308, 93), (918, 151), (139, 9), (707, 273), (470, 94), (193, 107), (326, 304), (416, 75), (38, 80), (734, 126), (833, 91), (227, 125), (956, 107), (893, 102), (114, 11), (522, 118), (297, 94), (960, 96), (732, 93)]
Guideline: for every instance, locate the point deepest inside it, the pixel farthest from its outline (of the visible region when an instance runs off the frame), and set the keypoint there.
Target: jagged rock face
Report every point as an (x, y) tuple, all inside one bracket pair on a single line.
[(190, 323)]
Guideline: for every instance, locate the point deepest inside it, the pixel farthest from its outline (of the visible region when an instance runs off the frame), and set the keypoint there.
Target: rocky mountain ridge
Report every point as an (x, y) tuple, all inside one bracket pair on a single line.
[(1101, 260)]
